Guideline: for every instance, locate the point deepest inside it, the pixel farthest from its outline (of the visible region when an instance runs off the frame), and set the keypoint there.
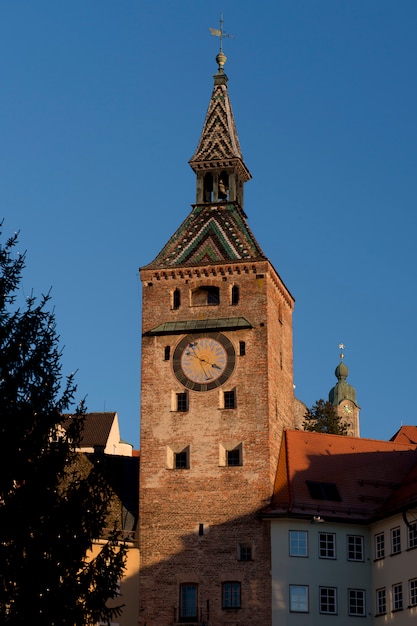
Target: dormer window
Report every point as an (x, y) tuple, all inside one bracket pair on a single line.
[(205, 296)]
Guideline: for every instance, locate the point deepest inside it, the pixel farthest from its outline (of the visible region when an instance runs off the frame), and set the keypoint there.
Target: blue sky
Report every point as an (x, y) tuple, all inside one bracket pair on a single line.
[(101, 107)]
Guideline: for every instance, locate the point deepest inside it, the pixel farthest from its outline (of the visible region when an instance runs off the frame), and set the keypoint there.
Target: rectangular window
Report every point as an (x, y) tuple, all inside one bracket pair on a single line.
[(229, 399), (356, 600), (167, 353), (188, 602), (412, 591), (181, 459), (182, 402), (327, 545), (355, 548), (242, 348), (245, 552), (395, 540), (234, 457), (328, 602), (412, 535), (381, 601), (397, 597), (299, 598), (231, 595), (298, 543), (380, 546)]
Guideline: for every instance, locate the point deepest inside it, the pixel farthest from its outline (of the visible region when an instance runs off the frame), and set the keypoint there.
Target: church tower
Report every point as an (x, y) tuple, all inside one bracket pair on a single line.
[(343, 398), (216, 393)]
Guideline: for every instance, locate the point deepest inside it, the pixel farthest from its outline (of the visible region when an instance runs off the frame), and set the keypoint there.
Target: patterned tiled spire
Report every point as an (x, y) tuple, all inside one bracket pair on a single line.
[(216, 231), (219, 144)]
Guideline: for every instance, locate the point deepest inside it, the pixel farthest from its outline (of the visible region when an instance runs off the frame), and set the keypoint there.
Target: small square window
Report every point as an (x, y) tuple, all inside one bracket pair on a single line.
[(231, 595), (182, 402), (299, 598), (328, 600), (355, 548), (327, 545), (181, 459), (298, 543), (397, 597), (229, 399), (245, 552), (234, 457), (395, 540), (356, 600), (380, 546)]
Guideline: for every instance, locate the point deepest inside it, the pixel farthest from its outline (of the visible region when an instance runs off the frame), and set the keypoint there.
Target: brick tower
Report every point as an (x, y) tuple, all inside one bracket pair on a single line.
[(216, 392)]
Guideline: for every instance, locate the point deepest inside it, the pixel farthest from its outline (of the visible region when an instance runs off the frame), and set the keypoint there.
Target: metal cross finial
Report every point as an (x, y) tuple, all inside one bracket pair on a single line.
[(220, 33), (341, 348)]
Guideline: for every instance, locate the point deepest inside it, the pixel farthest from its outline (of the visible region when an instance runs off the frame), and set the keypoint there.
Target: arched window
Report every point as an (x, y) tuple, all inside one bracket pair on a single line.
[(235, 295), (176, 299), (223, 186), (208, 188)]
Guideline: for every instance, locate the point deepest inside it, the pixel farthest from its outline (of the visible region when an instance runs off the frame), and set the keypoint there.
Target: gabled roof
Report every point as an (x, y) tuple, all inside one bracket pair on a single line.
[(96, 429), (339, 477), (211, 234), (406, 434)]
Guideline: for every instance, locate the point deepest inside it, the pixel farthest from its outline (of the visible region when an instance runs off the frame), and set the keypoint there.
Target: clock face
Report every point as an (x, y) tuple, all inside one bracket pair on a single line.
[(202, 362), (347, 409)]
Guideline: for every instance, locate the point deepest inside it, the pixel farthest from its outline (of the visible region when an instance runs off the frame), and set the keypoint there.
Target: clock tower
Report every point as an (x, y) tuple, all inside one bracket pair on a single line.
[(216, 393), (343, 398)]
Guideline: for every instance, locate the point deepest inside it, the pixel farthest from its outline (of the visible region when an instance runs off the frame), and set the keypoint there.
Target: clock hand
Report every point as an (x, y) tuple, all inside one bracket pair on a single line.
[(208, 377)]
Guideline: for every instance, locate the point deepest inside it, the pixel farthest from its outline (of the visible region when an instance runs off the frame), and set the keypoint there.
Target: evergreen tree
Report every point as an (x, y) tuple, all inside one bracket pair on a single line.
[(323, 418), (52, 505)]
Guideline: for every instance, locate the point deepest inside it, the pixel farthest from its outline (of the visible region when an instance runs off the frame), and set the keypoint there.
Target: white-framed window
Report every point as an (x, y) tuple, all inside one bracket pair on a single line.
[(412, 535), (380, 546), (397, 597), (395, 540), (355, 551), (298, 542), (299, 598), (327, 545), (356, 602), (328, 600), (381, 601), (412, 592)]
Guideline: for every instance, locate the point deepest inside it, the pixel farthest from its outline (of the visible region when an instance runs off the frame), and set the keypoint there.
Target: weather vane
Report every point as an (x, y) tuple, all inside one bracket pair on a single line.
[(220, 33), (341, 348)]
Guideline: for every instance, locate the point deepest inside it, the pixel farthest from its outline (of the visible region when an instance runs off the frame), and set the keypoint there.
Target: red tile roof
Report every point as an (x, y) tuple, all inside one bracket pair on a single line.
[(365, 472), (406, 434)]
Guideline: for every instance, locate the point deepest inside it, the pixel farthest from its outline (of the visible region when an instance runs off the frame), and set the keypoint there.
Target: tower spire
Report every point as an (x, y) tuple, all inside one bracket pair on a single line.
[(217, 161)]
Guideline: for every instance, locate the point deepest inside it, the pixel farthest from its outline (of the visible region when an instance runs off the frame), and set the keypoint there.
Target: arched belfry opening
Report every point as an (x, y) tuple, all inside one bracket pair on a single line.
[(218, 162), (208, 188)]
